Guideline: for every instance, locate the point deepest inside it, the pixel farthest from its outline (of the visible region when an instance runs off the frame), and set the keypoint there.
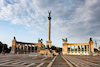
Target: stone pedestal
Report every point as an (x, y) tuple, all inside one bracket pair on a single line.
[(65, 48), (90, 53), (49, 43), (12, 52), (13, 49)]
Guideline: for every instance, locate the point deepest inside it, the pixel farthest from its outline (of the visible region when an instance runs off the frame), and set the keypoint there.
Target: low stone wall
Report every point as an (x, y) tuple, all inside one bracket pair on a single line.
[(47, 52), (44, 51), (77, 53)]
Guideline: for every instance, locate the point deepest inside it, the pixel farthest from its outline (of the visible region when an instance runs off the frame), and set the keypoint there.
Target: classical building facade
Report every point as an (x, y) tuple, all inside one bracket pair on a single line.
[(78, 48), (23, 47)]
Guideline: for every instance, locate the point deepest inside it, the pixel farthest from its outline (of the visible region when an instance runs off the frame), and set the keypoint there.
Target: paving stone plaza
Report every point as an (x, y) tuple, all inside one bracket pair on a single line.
[(26, 60)]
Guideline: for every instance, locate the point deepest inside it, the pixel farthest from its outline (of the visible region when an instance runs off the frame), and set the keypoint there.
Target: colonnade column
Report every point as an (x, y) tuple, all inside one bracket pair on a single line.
[(27, 47), (34, 48), (70, 48), (81, 48), (20, 46), (84, 48), (87, 48), (37, 49), (23, 47), (31, 49), (67, 49), (74, 48), (17, 47), (77, 48)]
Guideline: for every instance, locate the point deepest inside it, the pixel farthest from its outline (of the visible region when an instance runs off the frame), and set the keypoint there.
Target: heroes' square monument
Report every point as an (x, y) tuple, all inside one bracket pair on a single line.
[(82, 48), (48, 42)]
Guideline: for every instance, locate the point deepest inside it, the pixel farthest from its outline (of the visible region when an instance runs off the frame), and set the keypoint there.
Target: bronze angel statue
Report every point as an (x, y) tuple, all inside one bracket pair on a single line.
[(40, 40), (64, 40)]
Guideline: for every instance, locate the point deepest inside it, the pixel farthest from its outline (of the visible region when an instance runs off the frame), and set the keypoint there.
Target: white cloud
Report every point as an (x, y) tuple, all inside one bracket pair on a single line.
[(75, 19)]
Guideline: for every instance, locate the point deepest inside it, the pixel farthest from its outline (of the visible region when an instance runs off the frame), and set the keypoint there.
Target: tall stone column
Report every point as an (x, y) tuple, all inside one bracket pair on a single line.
[(49, 31)]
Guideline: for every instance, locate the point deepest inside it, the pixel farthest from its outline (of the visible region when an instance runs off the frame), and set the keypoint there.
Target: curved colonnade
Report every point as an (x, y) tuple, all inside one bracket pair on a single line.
[(78, 48), (23, 47)]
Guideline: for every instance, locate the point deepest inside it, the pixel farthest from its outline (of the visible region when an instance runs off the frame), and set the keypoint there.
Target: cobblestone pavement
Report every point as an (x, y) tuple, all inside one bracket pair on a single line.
[(84, 61), (93, 59), (59, 62), (24, 60)]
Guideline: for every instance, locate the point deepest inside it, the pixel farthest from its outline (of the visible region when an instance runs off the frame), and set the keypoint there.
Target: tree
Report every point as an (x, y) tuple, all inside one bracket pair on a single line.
[(0, 43), (58, 50), (53, 47), (4, 47), (9, 49), (43, 47)]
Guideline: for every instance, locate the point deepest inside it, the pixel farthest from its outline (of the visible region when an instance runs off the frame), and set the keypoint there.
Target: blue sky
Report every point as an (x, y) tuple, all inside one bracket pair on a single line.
[(78, 20)]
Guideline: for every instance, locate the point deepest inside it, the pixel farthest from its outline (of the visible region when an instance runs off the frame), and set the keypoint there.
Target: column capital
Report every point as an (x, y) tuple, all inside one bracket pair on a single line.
[(64, 43)]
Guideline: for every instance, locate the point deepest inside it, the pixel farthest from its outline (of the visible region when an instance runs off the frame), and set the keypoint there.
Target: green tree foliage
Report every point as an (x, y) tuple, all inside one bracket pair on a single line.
[(58, 50), (43, 47), (4, 47), (0, 43), (53, 47)]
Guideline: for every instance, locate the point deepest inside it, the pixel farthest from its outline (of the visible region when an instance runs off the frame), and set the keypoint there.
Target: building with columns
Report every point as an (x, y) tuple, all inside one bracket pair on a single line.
[(48, 42), (78, 48), (23, 47)]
